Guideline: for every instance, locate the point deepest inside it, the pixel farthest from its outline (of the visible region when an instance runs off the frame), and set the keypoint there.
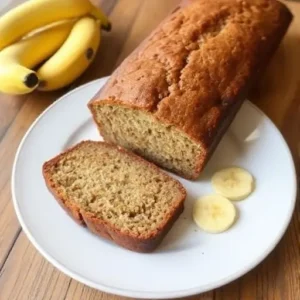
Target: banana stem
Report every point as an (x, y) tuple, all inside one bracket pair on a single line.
[(105, 23)]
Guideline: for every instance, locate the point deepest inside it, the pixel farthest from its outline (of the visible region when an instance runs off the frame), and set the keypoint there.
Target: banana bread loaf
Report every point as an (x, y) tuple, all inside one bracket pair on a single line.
[(173, 98), (115, 193)]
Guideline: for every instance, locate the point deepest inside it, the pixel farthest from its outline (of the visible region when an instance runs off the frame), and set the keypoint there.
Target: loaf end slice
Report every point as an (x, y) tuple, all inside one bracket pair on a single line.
[(115, 193)]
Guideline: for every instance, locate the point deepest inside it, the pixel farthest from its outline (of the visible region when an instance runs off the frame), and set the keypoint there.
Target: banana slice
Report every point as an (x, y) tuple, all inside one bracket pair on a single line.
[(233, 183), (214, 213)]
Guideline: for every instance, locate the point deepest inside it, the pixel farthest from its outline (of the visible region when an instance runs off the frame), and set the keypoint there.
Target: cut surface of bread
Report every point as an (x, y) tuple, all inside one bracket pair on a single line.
[(115, 193), (173, 98), (143, 134)]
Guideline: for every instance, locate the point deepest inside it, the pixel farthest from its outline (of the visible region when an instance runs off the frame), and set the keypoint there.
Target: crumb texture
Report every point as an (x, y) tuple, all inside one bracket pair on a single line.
[(144, 135), (132, 196)]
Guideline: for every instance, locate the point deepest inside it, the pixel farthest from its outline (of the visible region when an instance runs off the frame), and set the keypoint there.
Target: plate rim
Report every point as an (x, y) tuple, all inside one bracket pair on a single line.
[(146, 294)]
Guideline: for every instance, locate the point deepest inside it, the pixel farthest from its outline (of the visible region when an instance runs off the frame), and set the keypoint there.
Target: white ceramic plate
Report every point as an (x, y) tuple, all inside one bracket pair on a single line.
[(188, 261)]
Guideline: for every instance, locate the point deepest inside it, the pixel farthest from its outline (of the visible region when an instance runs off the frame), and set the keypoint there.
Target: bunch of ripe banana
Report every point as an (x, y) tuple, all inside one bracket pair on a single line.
[(47, 44)]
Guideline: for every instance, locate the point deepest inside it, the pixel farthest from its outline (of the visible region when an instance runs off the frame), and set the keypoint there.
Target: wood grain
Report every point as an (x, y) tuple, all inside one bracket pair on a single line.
[(42, 280), (25, 274)]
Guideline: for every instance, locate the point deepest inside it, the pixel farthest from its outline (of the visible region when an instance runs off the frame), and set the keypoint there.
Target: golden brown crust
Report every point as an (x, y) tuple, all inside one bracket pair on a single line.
[(104, 229), (197, 67), (128, 241)]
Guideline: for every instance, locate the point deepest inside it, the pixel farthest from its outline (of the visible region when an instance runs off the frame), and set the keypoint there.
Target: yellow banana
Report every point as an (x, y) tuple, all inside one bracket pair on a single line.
[(34, 14), (17, 60), (74, 56)]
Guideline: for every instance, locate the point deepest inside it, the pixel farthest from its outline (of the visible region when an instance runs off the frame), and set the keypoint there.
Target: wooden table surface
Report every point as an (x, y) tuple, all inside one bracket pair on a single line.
[(25, 274)]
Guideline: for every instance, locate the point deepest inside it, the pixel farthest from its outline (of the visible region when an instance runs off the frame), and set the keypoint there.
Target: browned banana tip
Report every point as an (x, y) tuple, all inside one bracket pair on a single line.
[(106, 27)]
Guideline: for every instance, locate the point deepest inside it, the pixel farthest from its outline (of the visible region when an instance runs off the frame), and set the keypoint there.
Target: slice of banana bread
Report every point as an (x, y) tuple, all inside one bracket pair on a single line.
[(117, 194)]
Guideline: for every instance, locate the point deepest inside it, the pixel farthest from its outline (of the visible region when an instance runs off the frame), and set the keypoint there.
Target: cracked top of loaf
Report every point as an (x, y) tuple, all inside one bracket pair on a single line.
[(198, 63)]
